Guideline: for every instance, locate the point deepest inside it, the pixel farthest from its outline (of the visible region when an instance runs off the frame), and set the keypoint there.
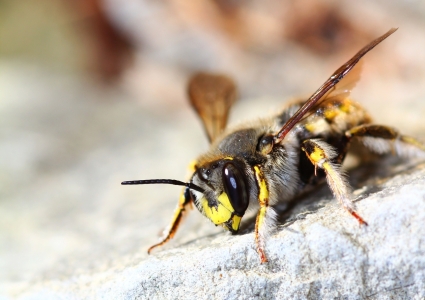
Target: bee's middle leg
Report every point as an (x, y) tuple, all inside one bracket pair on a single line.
[(322, 155)]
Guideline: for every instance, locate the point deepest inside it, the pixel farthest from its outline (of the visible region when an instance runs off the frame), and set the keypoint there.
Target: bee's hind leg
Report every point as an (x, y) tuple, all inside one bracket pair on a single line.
[(322, 155), (383, 139)]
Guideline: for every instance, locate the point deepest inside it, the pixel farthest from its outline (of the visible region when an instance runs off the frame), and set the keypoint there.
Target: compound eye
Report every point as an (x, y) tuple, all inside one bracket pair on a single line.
[(235, 186)]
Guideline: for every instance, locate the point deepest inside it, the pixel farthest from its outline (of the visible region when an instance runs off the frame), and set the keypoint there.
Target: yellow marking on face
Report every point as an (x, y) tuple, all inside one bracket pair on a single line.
[(223, 199), (228, 158), (220, 214), (236, 221)]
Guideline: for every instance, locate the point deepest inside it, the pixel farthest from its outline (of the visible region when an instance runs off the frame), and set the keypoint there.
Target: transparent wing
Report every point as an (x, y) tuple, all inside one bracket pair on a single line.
[(343, 88), (212, 96), (335, 85)]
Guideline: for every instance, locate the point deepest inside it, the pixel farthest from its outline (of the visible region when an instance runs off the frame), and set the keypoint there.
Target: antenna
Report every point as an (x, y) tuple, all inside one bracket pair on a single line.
[(165, 181)]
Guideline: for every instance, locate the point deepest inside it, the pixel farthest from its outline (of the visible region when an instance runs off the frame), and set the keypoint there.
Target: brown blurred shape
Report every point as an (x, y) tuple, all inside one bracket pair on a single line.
[(322, 28), (111, 50), (319, 26)]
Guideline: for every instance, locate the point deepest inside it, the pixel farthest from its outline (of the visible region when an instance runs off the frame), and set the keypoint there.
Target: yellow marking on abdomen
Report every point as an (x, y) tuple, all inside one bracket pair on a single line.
[(335, 112), (340, 109)]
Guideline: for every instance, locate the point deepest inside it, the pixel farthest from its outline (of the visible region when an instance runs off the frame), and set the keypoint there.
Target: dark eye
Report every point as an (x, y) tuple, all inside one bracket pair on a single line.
[(235, 186)]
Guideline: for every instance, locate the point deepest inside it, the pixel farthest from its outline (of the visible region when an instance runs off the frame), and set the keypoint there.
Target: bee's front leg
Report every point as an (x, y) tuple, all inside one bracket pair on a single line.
[(321, 155), (265, 216), (184, 202)]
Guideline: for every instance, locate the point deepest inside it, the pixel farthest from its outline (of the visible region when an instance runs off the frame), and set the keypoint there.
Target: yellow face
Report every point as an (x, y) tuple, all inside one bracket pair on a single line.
[(225, 197), (222, 214)]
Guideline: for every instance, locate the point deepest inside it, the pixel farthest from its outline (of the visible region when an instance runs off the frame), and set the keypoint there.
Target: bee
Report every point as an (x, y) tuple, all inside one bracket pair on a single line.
[(275, 159)]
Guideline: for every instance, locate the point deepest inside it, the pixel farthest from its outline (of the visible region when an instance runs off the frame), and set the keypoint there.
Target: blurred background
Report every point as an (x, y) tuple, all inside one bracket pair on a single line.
[(92, 92)]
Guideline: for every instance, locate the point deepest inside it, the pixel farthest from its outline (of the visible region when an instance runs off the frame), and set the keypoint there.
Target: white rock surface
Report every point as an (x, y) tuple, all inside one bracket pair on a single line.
[(323, 255)]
